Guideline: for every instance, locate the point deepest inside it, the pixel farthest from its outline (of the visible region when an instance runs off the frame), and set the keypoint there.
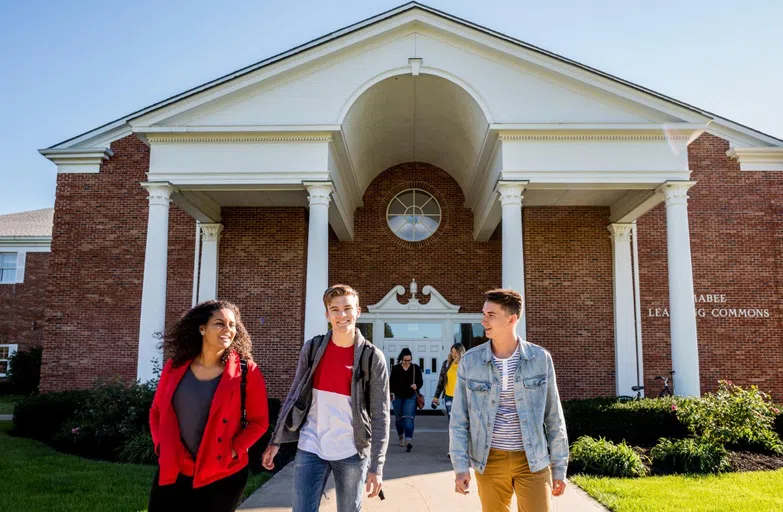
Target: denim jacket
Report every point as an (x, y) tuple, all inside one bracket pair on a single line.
[(476, 401)]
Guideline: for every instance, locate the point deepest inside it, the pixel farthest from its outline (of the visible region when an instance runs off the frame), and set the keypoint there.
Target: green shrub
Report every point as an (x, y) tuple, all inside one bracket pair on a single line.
[(5, 387), (40, 417), (139, 450), (689, 456), (604, 458), (24, 371), (639, 423), (110, 416), (734, 417)]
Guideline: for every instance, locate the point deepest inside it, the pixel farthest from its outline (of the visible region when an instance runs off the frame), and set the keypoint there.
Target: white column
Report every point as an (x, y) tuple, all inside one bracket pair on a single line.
[(153, 292), (208, 276), (685, 349), (624, 325), (317, 258), (513, 254)]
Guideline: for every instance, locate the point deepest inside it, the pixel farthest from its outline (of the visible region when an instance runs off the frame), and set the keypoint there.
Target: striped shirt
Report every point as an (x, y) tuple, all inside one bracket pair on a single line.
[(507, 432)]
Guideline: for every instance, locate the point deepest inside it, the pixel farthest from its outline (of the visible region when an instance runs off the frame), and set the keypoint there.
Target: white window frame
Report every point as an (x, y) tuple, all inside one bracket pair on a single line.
[(12, 348), (16, 266), (396, 198), (21, 246)]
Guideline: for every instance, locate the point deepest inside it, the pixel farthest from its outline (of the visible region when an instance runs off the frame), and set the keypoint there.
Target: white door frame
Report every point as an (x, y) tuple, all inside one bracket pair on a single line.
[(437, 310)]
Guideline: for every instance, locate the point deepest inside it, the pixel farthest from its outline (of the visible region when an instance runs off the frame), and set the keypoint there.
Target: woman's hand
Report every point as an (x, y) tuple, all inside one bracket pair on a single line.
[(436, 401), (234, 454), (413, 387)]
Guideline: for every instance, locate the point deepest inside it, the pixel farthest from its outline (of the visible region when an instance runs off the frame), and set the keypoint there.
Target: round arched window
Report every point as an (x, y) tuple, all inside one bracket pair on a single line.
[(413, 215)]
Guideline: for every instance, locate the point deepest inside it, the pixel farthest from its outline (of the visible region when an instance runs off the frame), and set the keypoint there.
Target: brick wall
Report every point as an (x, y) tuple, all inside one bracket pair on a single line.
[(22, 304), (96, 268), (262, 270), (567, 259), (95, 272), (459, 268), (736, 227), (568, 276)]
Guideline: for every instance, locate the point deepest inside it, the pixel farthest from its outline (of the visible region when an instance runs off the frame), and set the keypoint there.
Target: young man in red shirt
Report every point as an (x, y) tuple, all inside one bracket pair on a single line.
[(337, 410)]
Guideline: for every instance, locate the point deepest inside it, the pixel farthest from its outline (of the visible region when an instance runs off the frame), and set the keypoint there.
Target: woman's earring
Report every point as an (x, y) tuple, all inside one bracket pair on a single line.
[(202, 333)]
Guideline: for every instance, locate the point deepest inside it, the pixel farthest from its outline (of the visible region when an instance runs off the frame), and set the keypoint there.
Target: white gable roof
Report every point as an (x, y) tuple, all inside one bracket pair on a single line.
[(237, 94)]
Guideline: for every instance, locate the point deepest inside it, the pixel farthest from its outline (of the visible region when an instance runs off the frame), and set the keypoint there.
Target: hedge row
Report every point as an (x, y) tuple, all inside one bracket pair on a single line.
[(638, 423), (109, 422)]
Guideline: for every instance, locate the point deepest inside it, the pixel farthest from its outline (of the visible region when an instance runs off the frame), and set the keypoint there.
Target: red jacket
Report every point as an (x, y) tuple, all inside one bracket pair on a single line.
[(223, 431)]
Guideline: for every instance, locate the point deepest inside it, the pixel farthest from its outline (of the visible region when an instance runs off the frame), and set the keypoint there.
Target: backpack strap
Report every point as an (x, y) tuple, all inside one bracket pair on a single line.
[(243, 392), (365, 374), (317, 341)]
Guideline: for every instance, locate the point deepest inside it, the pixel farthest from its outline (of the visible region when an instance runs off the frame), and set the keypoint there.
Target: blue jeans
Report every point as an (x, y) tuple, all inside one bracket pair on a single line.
[(311, 473), (447, 401), (404, 412)]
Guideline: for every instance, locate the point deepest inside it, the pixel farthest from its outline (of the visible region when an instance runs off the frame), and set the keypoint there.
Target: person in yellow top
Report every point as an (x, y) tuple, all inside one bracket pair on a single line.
[(447, 380)]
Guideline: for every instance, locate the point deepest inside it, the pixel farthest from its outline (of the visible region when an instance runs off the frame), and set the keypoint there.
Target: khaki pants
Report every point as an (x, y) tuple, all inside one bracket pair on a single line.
[(507, 473)]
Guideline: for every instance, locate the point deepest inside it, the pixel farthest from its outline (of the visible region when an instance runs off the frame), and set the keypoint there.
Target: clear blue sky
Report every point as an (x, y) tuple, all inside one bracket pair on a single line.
[(67, 67)]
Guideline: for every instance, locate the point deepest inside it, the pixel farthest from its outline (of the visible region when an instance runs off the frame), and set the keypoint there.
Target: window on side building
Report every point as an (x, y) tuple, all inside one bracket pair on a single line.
[(8, 267), (6, 351)]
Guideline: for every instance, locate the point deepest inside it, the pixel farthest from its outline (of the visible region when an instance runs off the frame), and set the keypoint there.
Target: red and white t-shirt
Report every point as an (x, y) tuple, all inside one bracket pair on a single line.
[(328, 430)]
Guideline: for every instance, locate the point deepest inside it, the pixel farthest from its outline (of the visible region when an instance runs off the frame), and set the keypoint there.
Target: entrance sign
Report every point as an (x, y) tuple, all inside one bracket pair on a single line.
[(715, 305)]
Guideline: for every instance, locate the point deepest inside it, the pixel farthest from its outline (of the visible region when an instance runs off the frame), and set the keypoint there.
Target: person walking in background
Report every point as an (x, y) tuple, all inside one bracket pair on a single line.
[(447, 380), (199, 431), (507, 421), (405, 382), (337, 410)]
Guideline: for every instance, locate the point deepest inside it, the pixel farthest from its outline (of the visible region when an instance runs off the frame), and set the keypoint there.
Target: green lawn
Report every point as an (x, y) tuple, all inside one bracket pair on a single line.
[(34, 477), (756, 491), (7, 403)]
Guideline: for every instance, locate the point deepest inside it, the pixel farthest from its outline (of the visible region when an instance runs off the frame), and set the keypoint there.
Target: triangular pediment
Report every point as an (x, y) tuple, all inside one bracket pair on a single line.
[(514, 83), (391, 302), (314, 85)]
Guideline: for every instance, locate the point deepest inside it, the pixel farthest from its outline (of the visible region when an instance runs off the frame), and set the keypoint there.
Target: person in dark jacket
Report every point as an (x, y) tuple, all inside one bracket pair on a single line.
[(405, 383), (196, 417)]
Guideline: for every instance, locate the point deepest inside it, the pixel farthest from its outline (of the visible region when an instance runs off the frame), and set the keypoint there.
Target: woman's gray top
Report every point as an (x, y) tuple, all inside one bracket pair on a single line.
[(192, 401)]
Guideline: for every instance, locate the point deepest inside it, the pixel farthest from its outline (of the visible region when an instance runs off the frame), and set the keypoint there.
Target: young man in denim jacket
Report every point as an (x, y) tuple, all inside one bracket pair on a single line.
[(506, 419)]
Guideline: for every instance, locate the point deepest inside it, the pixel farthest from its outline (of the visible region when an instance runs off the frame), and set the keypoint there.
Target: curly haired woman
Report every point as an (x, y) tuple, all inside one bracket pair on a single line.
[(196, 418)]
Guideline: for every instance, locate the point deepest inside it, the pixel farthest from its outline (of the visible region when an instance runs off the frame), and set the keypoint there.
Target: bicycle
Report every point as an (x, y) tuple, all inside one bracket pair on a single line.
[(632, 398), (666, 391)]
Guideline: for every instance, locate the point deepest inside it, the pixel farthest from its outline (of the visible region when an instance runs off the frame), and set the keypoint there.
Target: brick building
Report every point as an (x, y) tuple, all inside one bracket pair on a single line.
[(25, 240), (647, 234)]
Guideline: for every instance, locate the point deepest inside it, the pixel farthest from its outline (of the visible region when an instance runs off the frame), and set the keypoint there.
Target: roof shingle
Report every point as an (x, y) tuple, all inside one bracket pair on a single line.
[(30, 223)]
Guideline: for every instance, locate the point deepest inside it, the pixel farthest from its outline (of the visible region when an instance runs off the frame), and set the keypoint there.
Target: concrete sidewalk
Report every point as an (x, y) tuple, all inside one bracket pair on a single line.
[(422, 480)]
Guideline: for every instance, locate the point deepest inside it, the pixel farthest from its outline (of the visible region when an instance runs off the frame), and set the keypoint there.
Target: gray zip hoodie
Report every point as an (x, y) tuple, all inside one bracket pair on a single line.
[(370, 425)]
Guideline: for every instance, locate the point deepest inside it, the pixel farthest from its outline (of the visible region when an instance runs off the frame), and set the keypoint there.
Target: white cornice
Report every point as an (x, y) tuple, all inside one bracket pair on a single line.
[(78, 160), (597, 131), (250, 180), (25, 242), (758, 159), (589, 136), (176, 138), (253, 129)]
